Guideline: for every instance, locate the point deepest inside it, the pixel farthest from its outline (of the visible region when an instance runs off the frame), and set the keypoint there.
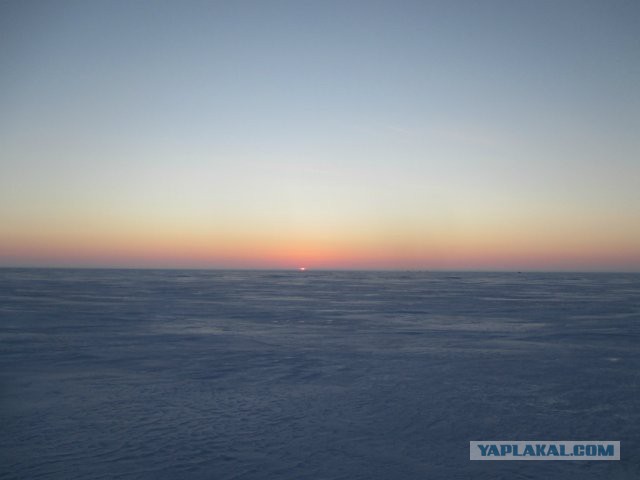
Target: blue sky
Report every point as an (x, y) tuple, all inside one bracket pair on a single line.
[(426, 134)]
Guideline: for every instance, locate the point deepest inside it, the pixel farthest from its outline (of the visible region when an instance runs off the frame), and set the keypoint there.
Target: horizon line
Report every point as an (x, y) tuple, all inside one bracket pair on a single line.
[(311, 269)]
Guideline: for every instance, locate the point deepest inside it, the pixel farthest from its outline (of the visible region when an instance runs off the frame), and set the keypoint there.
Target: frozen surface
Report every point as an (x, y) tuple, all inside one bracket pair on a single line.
[(314, 375)]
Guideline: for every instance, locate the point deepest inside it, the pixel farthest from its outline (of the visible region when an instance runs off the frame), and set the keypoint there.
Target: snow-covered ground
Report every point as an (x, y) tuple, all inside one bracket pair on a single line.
[(313, 375)]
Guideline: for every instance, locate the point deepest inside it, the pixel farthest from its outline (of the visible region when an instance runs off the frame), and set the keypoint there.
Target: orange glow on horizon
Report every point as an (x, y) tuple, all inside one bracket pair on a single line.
[(227, 251)]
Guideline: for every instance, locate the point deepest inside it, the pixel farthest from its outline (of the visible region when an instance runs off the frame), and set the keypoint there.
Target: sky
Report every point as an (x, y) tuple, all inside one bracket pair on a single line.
[(462, 135)]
